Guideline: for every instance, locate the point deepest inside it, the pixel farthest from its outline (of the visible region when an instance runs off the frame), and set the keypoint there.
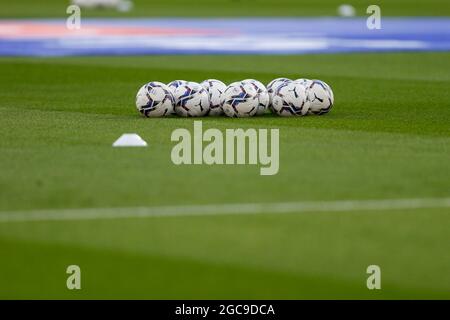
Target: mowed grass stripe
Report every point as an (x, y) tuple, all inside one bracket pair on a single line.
[(376, 66), (221, 209), (364, 104)]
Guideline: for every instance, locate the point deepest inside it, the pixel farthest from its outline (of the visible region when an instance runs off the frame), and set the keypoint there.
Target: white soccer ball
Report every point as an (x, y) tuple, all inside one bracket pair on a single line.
[(275, 83), (263, 95), (215, 88), (191, 100), (175, 84), (303, 82), (154, 99), (240, 100), (290, 99), (320, 96), (272, 86)]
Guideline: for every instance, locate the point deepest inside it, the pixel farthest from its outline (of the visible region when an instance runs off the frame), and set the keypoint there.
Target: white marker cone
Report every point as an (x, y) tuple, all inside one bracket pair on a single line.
[(130, 140)]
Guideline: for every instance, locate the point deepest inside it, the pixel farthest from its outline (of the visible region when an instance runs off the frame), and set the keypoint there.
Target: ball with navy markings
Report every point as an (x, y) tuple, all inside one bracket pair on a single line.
[(215, 89), (320, 96), (263, 95), (191, 100), (304, 82), (290, 99), (274, 84), (155, 99), (240, 99), (175, 84)]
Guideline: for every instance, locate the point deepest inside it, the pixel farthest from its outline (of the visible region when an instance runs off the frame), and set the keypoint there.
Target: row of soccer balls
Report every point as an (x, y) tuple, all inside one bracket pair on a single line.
[(245, 98)]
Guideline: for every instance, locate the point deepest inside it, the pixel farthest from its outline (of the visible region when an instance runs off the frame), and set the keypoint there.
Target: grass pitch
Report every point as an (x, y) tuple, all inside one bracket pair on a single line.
[(232, 8), (386, 138)]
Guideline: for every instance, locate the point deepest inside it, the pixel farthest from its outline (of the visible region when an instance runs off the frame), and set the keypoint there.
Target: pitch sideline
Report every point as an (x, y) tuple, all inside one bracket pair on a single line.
[(222, 209)]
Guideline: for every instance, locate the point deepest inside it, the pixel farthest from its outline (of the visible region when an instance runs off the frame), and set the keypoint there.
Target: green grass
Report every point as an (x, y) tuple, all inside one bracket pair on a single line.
[(220, 8), (386, 138)]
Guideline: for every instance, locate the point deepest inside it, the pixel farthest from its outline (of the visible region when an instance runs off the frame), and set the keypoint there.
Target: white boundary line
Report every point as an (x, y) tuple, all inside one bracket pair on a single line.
[(221, 209)]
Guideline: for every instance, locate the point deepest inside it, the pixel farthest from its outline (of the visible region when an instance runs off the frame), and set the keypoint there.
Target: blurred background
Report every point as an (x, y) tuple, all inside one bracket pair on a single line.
[(224, 27)]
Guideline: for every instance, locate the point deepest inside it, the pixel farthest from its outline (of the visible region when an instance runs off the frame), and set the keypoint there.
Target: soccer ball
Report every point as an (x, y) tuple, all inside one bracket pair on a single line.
[(175, 84), (263, 95), (154, 99), (320, 97), (215, 88), (290, 99), (191, 100), (272, 86), (303, 82), (240, 100), (275, 83)]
